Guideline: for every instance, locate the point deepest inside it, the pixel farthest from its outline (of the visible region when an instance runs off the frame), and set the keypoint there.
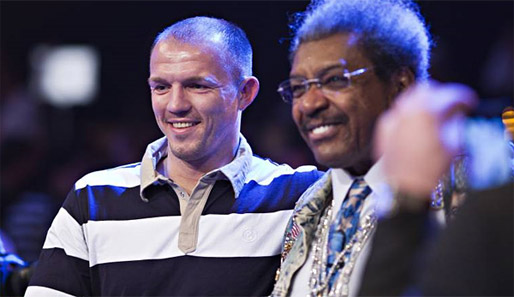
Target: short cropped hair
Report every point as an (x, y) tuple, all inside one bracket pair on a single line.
[(204, 30), (391, 32)]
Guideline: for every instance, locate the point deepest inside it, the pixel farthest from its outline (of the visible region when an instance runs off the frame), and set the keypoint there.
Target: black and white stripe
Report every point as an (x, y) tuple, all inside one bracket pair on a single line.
[(106, 241)]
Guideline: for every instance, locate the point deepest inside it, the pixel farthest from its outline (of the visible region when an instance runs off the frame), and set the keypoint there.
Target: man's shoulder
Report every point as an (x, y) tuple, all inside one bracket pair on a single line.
[(265, 170), (316, 193), (126, 176)]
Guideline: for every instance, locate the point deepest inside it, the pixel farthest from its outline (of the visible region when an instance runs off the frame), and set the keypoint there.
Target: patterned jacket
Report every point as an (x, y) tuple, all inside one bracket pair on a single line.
[(301, 230)]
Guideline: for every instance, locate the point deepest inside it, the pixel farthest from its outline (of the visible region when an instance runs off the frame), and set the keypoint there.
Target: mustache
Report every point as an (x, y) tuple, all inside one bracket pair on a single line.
[(311, 122)]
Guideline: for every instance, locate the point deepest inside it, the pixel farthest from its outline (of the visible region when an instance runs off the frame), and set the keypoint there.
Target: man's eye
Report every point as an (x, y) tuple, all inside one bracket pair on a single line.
[(336, 81), (198, 87), (334, 78), (297, 89), (160, 89)]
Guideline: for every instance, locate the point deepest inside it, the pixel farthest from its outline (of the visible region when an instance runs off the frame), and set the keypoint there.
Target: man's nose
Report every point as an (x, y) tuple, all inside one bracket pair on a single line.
[(313, 100), (178, 101)]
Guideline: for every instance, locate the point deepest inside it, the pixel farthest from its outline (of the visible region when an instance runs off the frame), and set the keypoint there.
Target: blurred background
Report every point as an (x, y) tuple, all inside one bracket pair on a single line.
[(74, 97)]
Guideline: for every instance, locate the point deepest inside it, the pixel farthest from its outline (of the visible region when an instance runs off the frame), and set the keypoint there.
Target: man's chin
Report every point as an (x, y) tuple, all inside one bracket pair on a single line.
[(184, 153), (354, 164), (329, 160), (327, 153), (337, 158)]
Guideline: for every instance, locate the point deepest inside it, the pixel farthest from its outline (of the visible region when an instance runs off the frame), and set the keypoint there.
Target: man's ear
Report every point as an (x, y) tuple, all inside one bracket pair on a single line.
[(400, 81), (248, 91)]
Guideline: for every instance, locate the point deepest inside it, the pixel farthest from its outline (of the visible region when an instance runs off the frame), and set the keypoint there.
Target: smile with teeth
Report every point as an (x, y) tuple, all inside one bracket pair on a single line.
[(321, 129), (181, 125)]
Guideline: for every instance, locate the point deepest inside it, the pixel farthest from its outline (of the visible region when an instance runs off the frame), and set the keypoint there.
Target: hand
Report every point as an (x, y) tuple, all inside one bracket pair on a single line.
[(420, 134)]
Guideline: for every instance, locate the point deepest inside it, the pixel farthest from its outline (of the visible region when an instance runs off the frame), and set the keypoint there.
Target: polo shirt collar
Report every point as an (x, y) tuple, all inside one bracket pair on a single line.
[(235, 171)]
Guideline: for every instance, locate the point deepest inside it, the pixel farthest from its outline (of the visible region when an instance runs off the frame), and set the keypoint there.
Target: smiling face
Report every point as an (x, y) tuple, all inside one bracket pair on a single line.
[(338, 126), (196, 102)]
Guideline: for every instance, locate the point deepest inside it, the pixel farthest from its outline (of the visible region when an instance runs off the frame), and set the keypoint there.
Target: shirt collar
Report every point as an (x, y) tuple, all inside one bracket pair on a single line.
[(375, 178), (235, 171)]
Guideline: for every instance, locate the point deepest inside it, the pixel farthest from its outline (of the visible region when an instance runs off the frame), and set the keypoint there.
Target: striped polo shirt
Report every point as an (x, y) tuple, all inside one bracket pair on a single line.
[(131, 231)]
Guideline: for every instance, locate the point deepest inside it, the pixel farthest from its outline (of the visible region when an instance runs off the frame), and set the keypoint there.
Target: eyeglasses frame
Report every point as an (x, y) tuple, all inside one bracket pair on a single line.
[(317, 81)]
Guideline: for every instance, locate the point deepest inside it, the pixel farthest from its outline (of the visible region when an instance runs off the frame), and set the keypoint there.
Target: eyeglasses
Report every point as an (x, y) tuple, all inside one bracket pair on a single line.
[(333, 79)]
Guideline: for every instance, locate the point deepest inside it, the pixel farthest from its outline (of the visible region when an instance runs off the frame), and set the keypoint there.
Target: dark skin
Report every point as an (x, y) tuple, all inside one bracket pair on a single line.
[(338, 126)]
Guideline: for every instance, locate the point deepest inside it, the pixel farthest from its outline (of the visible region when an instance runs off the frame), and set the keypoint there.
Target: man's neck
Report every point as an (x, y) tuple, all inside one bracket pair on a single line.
[(359, 169), (187, 174)]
